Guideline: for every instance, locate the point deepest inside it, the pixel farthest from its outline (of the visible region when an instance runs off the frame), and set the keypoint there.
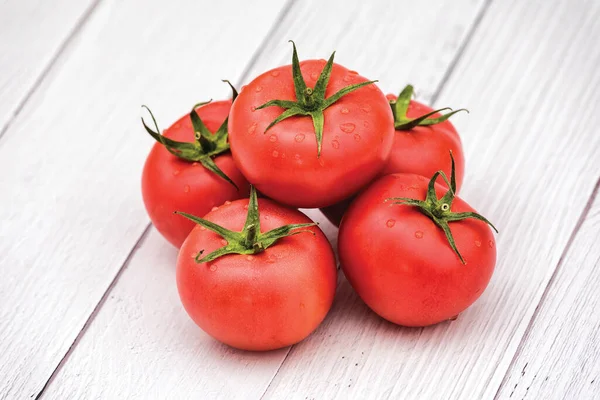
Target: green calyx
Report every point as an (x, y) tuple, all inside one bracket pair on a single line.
[(206, 145), (310, 101), (400, 107), (439, 209), (250, 240)]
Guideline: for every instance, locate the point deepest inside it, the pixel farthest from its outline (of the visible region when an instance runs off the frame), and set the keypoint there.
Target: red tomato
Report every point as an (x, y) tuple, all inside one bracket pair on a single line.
[(421, 150), (262, 301), (170, 183), (401, 263), (284, 161)]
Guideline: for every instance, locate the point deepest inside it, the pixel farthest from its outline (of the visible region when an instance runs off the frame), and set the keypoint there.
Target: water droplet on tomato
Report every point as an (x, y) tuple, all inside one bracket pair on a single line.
[(390, 223), (186, 188), (321, 162), (418, 234), (273, 138), (202, 228), (246, 207), (357, 137), (249, 258), (335, 144), (477, 243), (347, 78), (274, 73), (344, 110), (227, 203), (252, 108), (213, 267), (195, 164), (351, 72), (176, 172), (215, 208), (302, 306), (348, 127), (366, 124), (224, 242), (366, 108), (258, 88), (299, 137), (491, 243), (275, 153), (271, 259), (314, 76), (282, 155), (252, 128)]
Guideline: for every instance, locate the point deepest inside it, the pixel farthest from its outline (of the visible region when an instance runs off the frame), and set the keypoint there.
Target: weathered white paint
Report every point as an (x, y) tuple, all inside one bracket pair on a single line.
[(71, 209)]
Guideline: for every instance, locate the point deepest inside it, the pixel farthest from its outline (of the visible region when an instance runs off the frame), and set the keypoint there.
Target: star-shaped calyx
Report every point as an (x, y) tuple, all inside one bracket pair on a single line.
[(400, 107), (206, 146), (439, 209), (310, 101), (250, 240)]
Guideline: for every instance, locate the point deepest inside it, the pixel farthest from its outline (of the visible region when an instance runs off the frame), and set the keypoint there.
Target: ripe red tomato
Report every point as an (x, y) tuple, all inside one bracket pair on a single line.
[(322, 148), (270, 296), (399, 260), (171, 183), (421, 149)]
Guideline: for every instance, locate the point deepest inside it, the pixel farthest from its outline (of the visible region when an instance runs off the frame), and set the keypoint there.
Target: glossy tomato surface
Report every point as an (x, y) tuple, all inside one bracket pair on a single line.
[(264, 301), (283, 164), (422, 150), (170, 183), (400, 262)]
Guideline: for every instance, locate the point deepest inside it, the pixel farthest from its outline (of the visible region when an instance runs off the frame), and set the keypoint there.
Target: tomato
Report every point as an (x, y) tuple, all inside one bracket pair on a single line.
[(170, 182), (399, 259), (310, 134), (253, 290), (420, 149)]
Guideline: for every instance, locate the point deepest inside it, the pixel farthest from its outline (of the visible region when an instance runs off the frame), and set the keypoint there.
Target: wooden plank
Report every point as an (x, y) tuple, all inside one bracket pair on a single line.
[(177, 348), (32, 33), (71, 210), (529, 76), (560, 357)]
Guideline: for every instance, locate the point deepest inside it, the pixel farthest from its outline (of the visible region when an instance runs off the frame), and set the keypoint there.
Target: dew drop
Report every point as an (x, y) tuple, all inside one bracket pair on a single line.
[(314, 76), (176, 172), (215, 208), (252, 128), (302, 306), (186, 188), (366, 108), (271, 260), (273, 138), (366, 124), (335, 144), (252, 108), (348, 127), (357, 137), (390, 223), (275, 153), (213, 267), (372, 86), (299, 137), (347, 78), (297, 156), (275, 73), (246, 207), (351, 72), (266, 217), (282, 155), (321, 162), (477, 243), (491, 243), (195, 164), (344, 110), (223, 242), (202, 228), (249, 258), (418, 234), (227, 203), (337, 137), (258, 88)]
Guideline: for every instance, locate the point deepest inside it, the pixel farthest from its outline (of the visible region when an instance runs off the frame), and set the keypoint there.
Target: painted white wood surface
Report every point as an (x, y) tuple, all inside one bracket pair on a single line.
[(529, 76), (560, 358), (71, 208), (31, 34), (152, 340)]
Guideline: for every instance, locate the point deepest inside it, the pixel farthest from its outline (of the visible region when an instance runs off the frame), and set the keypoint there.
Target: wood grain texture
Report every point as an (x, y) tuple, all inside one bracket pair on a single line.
[(31, 35), (560, 357), (530, 78), (168, 339), (71, 208)]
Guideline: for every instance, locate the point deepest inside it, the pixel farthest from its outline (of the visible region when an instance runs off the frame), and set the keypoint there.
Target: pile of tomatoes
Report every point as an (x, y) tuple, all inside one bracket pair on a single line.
[(256, 273)]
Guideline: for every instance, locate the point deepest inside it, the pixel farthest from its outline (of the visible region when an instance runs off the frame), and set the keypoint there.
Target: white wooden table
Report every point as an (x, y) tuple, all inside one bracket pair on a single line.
[(88, 304)]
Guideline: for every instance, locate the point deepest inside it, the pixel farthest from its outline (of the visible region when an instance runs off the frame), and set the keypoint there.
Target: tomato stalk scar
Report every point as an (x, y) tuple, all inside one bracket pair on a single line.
[(250, 240)]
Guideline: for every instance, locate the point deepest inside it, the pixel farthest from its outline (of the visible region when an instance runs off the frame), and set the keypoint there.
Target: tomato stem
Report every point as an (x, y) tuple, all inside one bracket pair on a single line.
[(310, 101), (400, 107), (250, 240), (206, 146), (439, 210)]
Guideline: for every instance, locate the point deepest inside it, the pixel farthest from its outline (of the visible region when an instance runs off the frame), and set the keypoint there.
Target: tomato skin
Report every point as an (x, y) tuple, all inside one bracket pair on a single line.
[(264, 301), (404, 269), (422, 150), (283, 162), (170, 183)]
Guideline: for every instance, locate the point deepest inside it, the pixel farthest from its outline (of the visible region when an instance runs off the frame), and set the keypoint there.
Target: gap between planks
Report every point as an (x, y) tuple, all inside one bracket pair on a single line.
[(79, 24), (282, 14), (582, 218)]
